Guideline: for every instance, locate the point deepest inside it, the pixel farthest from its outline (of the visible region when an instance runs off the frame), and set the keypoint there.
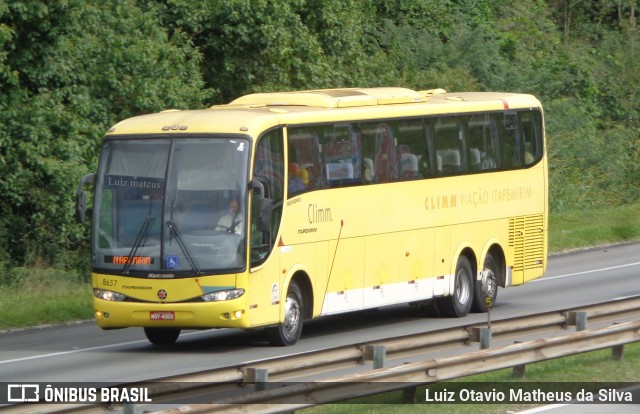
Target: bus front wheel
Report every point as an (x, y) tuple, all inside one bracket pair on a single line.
[(288, 332), (162, 336), (458, 304)]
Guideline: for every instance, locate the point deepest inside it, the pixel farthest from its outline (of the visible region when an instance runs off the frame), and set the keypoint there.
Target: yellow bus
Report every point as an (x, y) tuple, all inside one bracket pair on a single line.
[(282, 207)]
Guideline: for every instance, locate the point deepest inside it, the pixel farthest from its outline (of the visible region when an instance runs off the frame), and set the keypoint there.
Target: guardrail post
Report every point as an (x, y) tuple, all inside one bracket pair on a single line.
[(485, 338), (518, 371), (617, 351), (409, 395), (129, 408), (377, 354), (259, 376), (579, 319)]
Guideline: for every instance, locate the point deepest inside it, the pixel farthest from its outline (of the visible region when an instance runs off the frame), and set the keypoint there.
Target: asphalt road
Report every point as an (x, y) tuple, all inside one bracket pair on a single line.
[(83, 353)]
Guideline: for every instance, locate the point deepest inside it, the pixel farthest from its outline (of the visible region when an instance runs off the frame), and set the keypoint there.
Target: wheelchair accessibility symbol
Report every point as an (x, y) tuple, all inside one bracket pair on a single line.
[(172, 262)]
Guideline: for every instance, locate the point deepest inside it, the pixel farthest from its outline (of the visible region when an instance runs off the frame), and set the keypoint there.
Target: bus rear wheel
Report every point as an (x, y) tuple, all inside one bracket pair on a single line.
[(487, 287), (288, 332), (162, 336), (458, 304)]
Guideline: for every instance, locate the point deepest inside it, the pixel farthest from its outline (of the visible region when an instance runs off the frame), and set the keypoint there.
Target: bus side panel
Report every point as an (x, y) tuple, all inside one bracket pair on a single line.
[(294, 259), (477, 236), (346, 276), (539, 236), (442, 260), (319, 280), (382, 262), (527, 252), (416, 265)]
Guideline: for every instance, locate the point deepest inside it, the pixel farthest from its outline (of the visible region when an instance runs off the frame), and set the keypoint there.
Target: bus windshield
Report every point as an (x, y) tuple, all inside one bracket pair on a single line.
[(171, 206)]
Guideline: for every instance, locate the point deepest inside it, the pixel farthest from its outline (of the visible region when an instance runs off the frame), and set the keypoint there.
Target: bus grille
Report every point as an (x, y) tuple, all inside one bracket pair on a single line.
[(526, 239)]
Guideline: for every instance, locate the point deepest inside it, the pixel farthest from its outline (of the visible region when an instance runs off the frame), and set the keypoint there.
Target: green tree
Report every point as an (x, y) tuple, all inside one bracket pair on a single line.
[(265, 45), (69, 71)]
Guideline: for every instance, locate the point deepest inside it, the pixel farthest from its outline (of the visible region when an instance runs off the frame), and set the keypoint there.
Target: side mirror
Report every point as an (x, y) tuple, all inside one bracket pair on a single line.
[(81, 197)]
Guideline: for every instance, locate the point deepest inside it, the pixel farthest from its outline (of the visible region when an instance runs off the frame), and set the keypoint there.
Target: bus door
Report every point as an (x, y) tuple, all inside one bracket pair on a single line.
[(265, 277)]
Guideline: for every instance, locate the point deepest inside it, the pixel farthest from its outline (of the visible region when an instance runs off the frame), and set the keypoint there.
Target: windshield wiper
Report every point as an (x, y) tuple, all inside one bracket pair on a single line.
[(141, 240), (175, 233)]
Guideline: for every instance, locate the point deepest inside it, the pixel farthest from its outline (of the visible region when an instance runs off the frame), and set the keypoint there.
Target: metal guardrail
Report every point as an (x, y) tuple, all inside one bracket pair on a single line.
[(389, 379), (330, 360)]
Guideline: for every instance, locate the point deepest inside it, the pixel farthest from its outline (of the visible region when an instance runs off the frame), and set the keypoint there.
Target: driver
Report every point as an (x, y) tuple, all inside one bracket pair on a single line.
[(232, 221)]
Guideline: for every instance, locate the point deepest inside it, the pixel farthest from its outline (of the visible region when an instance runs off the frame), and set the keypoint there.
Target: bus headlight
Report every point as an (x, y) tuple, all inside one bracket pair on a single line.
[(108, 295), (223, 295)]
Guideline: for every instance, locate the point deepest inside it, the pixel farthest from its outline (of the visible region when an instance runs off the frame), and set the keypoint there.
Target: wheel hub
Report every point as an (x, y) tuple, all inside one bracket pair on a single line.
[(488, 282), (291, 315)]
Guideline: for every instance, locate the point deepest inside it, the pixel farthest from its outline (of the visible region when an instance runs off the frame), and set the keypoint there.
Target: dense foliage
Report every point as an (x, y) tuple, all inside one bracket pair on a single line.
[(71, 68)]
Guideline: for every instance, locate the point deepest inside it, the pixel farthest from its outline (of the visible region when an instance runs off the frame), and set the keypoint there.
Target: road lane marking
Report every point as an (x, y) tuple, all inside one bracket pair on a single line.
[(8, 361), (585, 272), (95, 348)]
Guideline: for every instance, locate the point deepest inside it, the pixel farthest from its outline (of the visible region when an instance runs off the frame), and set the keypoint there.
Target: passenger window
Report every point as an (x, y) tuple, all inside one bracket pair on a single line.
[(449, 143), (381, 158), (531, 125), (482, 142), (304, 159), (521, 139), (342, 153), (412, 150)]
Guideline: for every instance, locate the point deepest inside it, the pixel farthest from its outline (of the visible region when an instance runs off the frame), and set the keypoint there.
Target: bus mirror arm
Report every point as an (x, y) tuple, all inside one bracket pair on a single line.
[(258, 185), (266, 206), (81, 197)]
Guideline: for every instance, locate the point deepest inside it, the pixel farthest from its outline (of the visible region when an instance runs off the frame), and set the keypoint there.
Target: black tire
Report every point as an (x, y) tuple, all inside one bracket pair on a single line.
[(162, 336), (487, 286), (288, 332), (458, 304)]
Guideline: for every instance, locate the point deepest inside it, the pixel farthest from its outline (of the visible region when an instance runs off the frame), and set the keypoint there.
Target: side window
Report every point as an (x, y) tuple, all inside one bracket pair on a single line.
[(482, 142), (521, 139), (385, 162), (531, 127), (342, 154), (449, 145), (304, 162), (411, 149), (380, 153), (269, 169)]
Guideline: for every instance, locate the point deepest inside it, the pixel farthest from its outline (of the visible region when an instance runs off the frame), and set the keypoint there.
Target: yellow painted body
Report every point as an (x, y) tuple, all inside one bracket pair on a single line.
[(361, 246)]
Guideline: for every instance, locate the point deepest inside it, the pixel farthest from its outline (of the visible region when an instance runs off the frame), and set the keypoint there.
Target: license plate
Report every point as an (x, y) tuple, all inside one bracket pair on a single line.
[(162, 315)]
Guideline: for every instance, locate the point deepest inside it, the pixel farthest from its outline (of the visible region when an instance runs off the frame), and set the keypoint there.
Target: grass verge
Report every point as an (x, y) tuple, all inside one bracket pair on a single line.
[(577, 229), (37, 296)]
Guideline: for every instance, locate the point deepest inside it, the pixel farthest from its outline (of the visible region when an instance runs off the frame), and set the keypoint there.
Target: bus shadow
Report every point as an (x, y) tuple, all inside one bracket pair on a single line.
[(229, 340)]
